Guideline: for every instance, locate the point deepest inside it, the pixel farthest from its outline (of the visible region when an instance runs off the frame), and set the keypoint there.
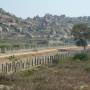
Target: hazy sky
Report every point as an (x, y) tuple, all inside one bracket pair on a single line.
[(30, 8)]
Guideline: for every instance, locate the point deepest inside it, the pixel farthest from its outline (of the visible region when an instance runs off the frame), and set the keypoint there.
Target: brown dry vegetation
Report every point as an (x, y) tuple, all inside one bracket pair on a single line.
[(67, 75)]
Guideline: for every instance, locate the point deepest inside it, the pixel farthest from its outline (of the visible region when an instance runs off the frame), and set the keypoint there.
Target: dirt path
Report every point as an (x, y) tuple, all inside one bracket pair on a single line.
[(4, 57), (28, 53)]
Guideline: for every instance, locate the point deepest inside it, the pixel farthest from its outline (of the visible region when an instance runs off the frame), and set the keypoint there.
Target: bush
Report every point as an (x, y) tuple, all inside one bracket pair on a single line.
[(81, 56)]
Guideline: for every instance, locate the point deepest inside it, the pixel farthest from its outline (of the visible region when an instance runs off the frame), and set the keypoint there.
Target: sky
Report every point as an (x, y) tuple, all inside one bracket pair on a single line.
[(31, 8)]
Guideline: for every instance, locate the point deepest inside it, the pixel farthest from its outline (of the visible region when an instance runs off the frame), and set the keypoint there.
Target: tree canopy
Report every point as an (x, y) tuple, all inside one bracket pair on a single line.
[(81, 31), (81, 42)]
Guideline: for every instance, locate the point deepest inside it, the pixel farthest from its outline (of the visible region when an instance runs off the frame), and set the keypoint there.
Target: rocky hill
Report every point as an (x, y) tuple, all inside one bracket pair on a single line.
[(49, 26)]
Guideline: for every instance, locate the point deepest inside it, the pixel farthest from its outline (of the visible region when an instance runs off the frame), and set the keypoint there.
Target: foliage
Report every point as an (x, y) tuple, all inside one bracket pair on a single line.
[(7, 46), (2, 47), (79, 30), (87, 33), (70, 75), (81, 42), (80, 56), (16, 46)]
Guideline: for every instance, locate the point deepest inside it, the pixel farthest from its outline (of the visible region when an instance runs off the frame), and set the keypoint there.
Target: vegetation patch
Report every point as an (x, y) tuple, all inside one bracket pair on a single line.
[(81, 56), (68, 74)]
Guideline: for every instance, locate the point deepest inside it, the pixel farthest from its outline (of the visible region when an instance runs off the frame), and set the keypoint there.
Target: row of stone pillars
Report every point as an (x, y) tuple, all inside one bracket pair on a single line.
[(35, 61), (25, 64)]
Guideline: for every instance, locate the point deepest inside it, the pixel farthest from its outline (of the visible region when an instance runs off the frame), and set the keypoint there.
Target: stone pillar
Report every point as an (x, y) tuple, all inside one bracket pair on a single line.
[(35, 61), (45, 59), (40, 60), (32, 63), (6, 71), (2, 70)]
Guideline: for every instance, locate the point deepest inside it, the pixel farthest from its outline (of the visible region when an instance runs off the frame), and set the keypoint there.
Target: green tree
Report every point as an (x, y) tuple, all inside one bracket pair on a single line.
[(87, 33), (80, 31), (81, 42)]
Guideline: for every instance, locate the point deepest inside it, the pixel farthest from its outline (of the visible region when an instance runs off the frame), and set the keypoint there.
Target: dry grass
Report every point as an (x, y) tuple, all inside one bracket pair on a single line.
[(67, 75)]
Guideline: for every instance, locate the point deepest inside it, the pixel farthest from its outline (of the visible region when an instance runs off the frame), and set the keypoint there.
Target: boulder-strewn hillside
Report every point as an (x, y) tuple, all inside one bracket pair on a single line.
[(49, 26)]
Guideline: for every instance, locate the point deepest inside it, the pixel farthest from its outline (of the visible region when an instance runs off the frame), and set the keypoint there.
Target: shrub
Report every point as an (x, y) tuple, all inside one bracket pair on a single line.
[(81, 56), (5, 78)]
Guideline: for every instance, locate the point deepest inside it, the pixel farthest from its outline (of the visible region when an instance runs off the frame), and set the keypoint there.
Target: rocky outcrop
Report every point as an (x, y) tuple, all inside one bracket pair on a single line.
[(48, 26)]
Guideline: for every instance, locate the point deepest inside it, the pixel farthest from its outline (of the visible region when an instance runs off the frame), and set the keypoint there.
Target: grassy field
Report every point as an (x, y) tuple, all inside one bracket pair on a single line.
[(66, 75)]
